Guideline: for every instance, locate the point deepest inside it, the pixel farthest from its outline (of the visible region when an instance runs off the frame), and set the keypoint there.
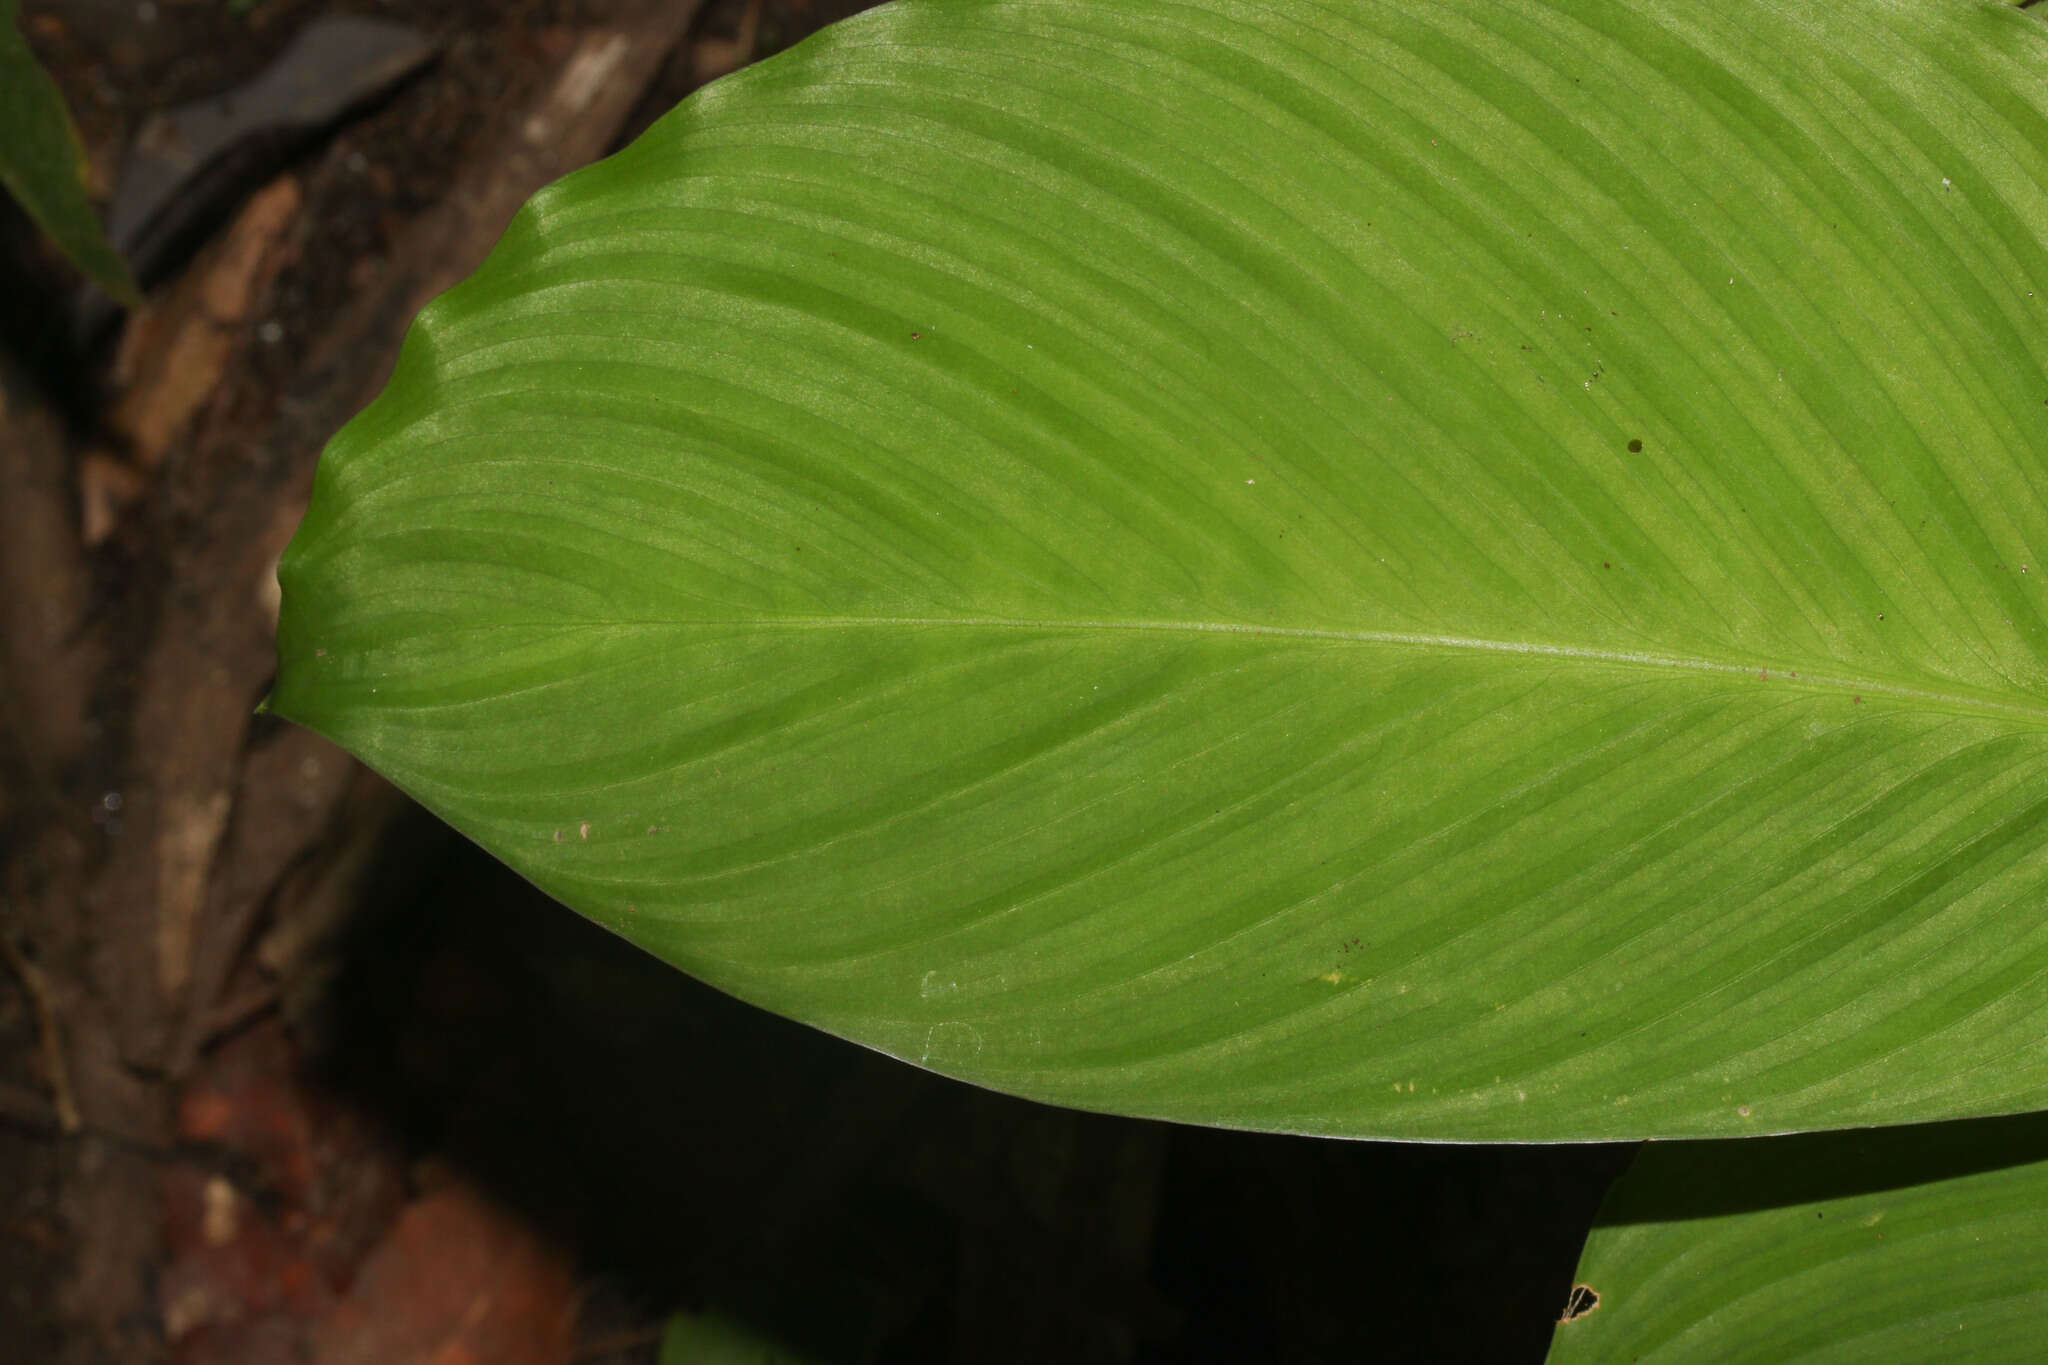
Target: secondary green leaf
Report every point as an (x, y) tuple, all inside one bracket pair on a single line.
[(1912, 1244), (42, 165), (1469, 570), (712, 1339)]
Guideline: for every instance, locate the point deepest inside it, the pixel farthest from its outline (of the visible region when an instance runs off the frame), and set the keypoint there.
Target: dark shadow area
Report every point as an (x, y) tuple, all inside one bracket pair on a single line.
[(697, 1151), (32, 326), (1745, 1175)]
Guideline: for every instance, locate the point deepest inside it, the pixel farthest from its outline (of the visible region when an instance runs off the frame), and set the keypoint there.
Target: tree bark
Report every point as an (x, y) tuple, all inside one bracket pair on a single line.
[(154, 827)]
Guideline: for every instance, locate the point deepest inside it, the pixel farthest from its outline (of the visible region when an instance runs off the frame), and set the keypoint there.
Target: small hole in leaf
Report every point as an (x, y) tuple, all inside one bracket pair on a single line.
[(1584, 1299)]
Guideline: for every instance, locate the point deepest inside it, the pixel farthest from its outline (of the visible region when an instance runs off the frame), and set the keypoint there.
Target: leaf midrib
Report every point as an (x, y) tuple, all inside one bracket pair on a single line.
[(1967, 700)]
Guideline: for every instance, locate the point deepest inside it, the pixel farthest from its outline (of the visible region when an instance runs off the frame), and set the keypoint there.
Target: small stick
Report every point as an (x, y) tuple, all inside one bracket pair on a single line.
[(57, 1074), (748, 38), (19, 1104), (621, 1341), (231, 1016)]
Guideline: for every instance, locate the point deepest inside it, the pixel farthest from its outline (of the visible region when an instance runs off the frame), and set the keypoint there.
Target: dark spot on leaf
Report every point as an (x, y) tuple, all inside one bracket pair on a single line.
[(1583, 1300), (1635, 447), (1606, 564), (914, 335)]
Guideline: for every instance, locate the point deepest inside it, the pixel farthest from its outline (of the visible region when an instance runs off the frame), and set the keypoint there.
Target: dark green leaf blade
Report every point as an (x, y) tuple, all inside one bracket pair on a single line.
[(1912, 1244), (714, 1339), (43, 166), (1463, 571)]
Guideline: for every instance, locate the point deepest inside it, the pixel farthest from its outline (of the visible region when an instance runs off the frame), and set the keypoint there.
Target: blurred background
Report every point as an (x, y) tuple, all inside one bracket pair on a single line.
[(289, 1073)]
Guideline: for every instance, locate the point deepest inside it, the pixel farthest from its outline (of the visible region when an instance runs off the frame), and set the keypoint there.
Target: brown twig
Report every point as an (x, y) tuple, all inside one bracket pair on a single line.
[(747, 41), (621, 1341), (57, 1075), (20, 1105), (232, 1016)]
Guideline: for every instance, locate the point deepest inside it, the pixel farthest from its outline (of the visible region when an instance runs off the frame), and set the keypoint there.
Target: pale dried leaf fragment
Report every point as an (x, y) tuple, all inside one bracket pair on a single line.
[(191, 833)]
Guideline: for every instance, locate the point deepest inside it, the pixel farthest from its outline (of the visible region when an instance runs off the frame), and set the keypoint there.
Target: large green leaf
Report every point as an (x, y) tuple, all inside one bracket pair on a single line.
[(1459, 570), (42, 165), (1911, 1244)]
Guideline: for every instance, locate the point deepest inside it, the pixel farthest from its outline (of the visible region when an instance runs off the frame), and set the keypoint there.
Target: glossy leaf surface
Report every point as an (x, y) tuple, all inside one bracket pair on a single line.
[(1907, 1245), (1469, 570)]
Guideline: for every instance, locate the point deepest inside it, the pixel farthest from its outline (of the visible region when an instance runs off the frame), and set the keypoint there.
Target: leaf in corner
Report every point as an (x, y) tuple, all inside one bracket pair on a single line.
[(709, 1338), (43, 166), (1906, 1244)]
